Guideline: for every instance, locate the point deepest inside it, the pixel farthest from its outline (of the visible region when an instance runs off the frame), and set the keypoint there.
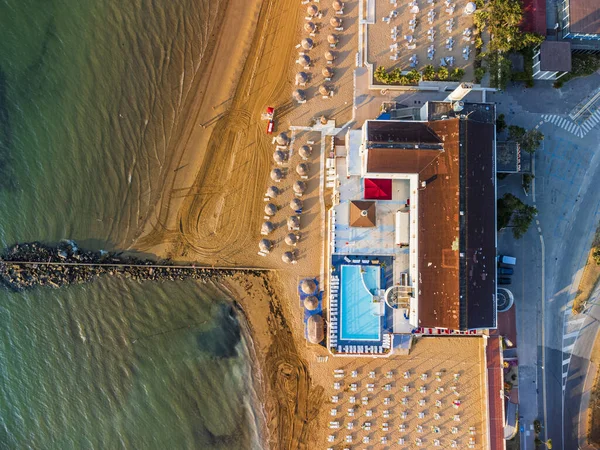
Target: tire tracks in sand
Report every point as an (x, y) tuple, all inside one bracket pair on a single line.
[(219, 219)]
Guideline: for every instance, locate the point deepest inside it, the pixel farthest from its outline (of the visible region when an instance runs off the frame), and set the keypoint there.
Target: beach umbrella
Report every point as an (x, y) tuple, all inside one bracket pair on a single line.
[(270, 209), (296, 204), (272, 192), (329, 56), (327, 72), (337, 5), (267, 227), (323, 90), (305, 152), (470, 8), (278, 156), (312, 10), (293, 222), (314, 329), (309, 287), (288, 257), (291, 239), (304, 60), (332, 39), (299, 187), (282, 139), (311, 303), (307, 43), (301, 77), (310, 27), (299, 95), (336, 22), (276, 174), (265, 245), (302, 169)]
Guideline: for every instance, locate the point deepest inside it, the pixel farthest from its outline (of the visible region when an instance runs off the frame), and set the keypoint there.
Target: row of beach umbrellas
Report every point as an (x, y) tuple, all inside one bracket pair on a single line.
[(299, 187), (295, 205), (277, 174)]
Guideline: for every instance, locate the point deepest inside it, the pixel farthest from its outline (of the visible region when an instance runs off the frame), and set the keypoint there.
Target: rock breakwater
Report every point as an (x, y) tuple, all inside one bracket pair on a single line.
[(34, 264)]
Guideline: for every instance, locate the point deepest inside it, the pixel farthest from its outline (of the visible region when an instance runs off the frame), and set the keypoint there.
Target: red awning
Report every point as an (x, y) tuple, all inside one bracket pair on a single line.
[(378, 189)]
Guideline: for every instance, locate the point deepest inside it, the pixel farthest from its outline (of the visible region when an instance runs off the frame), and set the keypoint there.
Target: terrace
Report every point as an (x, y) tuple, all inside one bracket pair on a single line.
[(434, 397), (411, 35)]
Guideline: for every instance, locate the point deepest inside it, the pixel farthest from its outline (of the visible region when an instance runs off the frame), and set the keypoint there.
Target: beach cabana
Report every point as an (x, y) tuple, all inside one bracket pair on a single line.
[(299, 187), (301, 78), (310, 27), (312, 10), (305, 152), (335, 22), (362, 213), (329, 56), (337, 5), (308, 286), (270, 209), (293, 222), (311, 303), (272, 192), (327, 72), (265, 245), (288, 257), (296, 204), (276, 174), (299, 95), (302, 169), (291, 239), (314, 329), (304, 60), (267, 228), (307, 43), (279, 156), (324, 90), (332, 39)]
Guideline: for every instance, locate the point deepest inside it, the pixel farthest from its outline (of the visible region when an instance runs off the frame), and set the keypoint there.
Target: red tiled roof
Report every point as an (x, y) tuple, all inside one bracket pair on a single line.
[(495, 399), (534, 16)]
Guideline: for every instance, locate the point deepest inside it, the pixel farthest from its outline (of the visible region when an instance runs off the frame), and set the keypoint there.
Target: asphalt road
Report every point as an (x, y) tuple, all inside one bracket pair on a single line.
[(568, 204)]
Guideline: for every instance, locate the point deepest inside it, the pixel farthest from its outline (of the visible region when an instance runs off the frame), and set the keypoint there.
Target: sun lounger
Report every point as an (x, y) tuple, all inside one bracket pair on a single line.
[(339, 29)]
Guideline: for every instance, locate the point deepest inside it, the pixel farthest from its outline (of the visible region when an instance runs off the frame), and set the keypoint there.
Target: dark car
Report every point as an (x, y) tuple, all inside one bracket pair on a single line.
[(505, 270), (504, 280)]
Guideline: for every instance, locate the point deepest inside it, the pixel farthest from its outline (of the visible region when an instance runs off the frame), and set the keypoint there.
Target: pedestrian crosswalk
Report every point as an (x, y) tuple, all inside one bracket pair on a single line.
[(572, 326), (579, 130)]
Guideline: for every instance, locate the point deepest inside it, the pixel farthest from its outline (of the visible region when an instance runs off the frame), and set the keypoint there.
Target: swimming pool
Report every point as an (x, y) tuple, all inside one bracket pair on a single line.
[(357, 318)]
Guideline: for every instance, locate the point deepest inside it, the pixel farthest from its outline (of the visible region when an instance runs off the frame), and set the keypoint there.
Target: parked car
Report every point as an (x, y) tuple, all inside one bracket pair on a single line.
[(508, 260), (505, 270), (504, 280)]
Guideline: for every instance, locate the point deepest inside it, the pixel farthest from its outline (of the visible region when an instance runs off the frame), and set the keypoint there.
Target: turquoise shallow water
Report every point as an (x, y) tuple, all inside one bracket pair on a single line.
[(91, 95)]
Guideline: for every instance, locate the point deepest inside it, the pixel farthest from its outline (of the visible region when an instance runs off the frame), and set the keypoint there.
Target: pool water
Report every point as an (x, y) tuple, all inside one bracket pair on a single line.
[(358, 321)]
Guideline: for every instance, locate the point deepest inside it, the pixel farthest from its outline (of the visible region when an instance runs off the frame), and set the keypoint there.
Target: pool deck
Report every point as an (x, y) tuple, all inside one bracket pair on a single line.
[(361, 246)]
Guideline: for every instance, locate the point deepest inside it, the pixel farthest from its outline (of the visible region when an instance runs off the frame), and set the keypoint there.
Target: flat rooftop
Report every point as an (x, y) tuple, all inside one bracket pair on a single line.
[(460, 364), (555, 56), (584, 16), (379, 35)]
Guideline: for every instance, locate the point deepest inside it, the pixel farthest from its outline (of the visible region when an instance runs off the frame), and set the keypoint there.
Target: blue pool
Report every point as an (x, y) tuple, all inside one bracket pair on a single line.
[(357, 311)]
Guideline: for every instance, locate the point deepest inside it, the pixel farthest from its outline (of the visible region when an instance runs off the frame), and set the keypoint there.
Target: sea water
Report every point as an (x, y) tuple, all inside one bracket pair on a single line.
[(91, 94)]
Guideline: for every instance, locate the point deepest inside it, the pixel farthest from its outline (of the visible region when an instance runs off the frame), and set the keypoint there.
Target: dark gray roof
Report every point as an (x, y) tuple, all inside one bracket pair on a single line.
[(392, 133), (555, 56)]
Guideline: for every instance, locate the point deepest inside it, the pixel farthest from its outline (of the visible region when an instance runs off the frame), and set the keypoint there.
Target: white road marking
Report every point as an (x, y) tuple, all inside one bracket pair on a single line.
[(568, 348), (571, 335)]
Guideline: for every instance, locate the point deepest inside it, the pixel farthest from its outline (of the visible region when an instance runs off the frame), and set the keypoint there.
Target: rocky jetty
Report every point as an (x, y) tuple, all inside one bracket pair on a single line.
[(66, 264)]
